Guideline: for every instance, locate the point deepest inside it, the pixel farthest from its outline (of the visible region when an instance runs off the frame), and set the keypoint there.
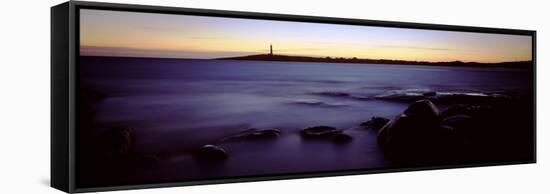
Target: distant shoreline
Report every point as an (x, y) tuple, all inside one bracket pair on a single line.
[(285, 58), (269, 57)]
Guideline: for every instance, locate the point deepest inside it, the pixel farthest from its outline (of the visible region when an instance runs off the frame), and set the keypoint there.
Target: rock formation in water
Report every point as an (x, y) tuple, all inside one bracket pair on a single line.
[(375, 123), (211, 153), (325, 133)]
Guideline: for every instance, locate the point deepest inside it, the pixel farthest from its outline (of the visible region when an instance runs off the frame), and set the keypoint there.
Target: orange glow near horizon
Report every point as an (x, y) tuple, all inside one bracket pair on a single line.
[(116, 33)]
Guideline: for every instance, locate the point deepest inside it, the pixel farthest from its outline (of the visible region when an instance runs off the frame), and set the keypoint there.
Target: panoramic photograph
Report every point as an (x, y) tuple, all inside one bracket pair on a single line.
[(170, 98)]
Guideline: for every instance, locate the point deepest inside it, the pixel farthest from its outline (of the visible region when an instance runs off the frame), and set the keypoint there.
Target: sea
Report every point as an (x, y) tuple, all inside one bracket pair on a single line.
[(174, 106)]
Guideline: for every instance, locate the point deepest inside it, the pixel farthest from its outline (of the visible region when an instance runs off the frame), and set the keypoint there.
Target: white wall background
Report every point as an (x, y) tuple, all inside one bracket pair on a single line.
[(25, 96)]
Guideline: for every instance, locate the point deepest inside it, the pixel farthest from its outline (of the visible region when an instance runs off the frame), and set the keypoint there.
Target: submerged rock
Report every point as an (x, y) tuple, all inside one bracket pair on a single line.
[(333, 94), (319, 132), (443, 97), (429, 93), (147, 160), (325, 133), (470, 98), (315, 102), (211, 152), (120, 141), (375, 123), (254, 134), (464, 109), (407, 95), (341, 138), (265, 133)]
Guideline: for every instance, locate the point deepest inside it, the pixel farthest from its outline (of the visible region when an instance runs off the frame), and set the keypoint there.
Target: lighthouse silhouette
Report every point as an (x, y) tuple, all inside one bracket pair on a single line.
[(270, 49)]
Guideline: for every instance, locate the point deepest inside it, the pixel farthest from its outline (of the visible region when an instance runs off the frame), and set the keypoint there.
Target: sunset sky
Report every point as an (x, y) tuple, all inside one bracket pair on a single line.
[(116, 33)]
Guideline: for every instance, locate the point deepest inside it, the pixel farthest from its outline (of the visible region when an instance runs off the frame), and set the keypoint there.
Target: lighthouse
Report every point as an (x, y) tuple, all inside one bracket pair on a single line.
[(270, 49)]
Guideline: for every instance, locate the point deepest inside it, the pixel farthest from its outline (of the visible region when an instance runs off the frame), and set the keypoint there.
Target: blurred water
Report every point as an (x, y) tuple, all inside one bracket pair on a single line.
[(176, 105)]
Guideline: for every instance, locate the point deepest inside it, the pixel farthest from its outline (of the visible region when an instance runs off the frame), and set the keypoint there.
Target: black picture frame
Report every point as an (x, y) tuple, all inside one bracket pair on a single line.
[(64, 82)]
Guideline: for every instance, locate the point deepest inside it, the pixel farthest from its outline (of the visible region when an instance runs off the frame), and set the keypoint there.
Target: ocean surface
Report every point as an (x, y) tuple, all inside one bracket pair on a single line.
[(177, 105)]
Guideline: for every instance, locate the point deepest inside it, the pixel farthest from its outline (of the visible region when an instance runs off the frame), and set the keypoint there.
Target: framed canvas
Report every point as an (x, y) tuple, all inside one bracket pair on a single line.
[(150, 96)]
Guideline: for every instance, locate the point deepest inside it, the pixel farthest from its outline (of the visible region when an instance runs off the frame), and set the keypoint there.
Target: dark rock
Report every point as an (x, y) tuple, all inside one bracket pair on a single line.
[(397, 131), (456, 121), (325, 133), (265, 133), (341, 137), (400, 97), (446, 128), (407, 95), (120, 141), (461, 128), (430, 93), (475, 127), (457, 109), (314, 102), (442, 97), (375, 123), (334, 94), (424, 110), (148, 160), (416, 127), (319, 132), (470, 98), (211, 152), (254, 134)]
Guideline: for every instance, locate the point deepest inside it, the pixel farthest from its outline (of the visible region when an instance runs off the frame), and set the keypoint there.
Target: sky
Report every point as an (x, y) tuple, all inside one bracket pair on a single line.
[(135, 34)]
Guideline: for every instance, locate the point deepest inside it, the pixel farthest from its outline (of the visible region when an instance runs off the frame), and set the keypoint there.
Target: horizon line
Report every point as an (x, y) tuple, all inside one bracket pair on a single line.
[(317, 57)]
